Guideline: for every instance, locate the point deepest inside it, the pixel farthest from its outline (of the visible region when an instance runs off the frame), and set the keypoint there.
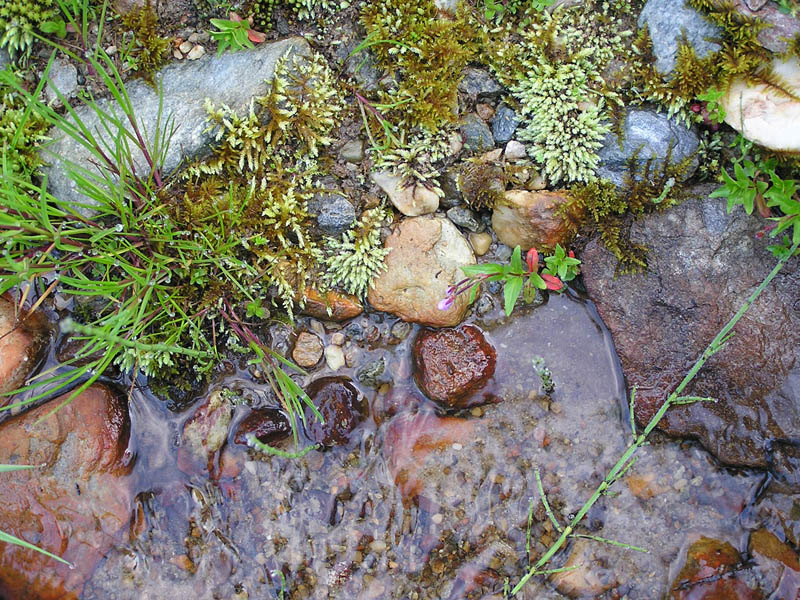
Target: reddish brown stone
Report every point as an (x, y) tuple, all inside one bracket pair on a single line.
[(340, 404), (269, 425), (341, 306), (21, 344), (451, 365), (75, 505), (307, 350), (765, 544), (533, 219), (710, 573)]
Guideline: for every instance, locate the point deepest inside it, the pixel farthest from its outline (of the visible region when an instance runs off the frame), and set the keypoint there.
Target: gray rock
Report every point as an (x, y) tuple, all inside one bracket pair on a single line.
[(702, 263), (464, 217), (668, 21), (64, 78), (449, 184), (233, 78), (335, 213), (477, 135), (478, 83), (5, 59), (504, 124), (352, 151), (651, 134)]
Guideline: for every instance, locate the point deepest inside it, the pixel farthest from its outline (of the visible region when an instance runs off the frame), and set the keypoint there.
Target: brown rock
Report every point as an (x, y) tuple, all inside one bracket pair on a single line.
[(530, 219), (710, 573), (21, 345), (702, 265), (410, 438), (586, 578), (452, 365), (75, 505), (269, 425), (307, 350), (341, 405), (332, 306), (425, 258), (763, 543)]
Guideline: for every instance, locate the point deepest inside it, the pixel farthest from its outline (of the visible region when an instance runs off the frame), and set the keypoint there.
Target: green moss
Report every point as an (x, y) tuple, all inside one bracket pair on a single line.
[(262, 10), (481, 183), (352, 262), (30, 131), (150, 51), (20, 19)]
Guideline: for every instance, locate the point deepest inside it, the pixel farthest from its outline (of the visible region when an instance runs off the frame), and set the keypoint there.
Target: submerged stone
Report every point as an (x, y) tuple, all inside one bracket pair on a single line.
[(340, 404), (712, 571), (76, 504), (452, 365), (21, 345), (269, 425), (204, 434)]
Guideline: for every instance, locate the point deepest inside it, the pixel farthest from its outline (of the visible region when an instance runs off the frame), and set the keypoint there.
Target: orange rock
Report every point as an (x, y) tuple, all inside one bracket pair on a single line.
[(75, 505), (342, 306), (532, 219), (710, 573), (21, 343), (644, 487)]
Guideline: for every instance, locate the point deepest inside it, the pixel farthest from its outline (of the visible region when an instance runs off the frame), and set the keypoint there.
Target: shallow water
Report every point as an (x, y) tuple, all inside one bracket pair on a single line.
[(422, 505)]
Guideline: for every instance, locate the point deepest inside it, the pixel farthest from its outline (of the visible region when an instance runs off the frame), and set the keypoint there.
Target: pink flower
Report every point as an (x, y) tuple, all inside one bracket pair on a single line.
[(552, 283), (446, 303), (532, 258)]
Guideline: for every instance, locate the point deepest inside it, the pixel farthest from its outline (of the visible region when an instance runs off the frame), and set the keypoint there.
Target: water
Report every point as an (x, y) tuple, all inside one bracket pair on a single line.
[(425, 505)]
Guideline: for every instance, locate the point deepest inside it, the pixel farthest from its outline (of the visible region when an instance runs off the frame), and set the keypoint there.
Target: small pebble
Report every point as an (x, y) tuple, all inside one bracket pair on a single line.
[(334, 357), (457, 446), (111, 50), (437, 518), (185, 47), (337, 339), (196, 52), (177, 54), (199, 37), (485, 111), (476, 412), (515, 150), (377, 546), (480, 242)]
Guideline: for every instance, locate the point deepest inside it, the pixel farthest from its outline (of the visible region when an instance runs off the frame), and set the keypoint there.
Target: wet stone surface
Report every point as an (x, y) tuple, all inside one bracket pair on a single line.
[(451, 366), (21, 345), (662, 320), (341, 405), (268, 425)]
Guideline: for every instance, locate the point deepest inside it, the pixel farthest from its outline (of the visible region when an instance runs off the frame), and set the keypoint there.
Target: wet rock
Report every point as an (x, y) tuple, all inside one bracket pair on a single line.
[(225, 79), (411, 200), (64, 78), (668, 21), (783, 27), (476, 134), (530, 219), (765, 114), (76, 505), (504, 124), (269, 425), (352, 151), (334, 357), (464, 217), (204, 434), (711, 572), (452, 365), (480, 243), (410, 438), (765, 545), (371, 374), (650, 136), (21, 346), (335, 213), (425, 257), (400, 330), (702, 265), (307, 350), (340, 404), (332, 306), (585, 577), (478, 83)]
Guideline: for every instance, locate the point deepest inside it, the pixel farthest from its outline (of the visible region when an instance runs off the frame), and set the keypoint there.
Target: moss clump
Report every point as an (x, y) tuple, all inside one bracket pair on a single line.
[(427, 55), (20, 19), (22, 156), (253, 192), (352, 262), (303, 9), (481, 183), (150, 51)]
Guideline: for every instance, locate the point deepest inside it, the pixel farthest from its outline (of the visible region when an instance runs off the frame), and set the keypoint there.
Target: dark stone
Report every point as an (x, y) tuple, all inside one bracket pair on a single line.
[(702, 265), (478, 83), (668, 21), (504, 124), (476, 133), (449, 184), (452, 365), (464, 217), (341, 405), (650, 136), (269, 425), (371, 374), (712, 570), (335, 213)]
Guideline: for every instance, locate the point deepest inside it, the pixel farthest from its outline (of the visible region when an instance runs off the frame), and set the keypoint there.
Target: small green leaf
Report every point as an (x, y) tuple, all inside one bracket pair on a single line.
[(516, 260), (511, 293)]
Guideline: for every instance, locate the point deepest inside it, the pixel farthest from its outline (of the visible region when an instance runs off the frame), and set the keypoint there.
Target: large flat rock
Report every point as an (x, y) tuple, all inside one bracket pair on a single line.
[(702, 265)]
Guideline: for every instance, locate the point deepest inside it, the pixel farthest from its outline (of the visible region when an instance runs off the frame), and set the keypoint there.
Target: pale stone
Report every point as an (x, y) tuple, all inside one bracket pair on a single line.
[(765, 114), (185, 47), (515, 150), (334, 357), (425, 258), (411, 200), (480, 242), (196, 52)]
